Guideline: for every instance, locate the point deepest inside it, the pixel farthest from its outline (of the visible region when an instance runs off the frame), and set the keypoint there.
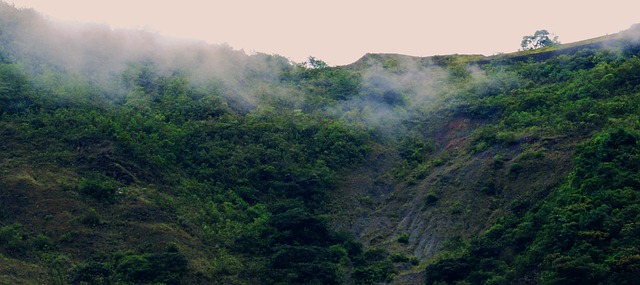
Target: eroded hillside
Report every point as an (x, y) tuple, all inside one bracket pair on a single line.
[(128, 158), (501, 138)]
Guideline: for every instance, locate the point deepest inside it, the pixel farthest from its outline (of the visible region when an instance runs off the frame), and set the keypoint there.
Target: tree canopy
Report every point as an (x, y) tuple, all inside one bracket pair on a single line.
[(540, 39)]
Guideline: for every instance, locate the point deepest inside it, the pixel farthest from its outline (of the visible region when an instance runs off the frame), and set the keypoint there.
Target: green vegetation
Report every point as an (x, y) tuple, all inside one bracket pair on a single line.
[(252, 184), (174, 181), (539, 39), (183, 163), (580, 232)]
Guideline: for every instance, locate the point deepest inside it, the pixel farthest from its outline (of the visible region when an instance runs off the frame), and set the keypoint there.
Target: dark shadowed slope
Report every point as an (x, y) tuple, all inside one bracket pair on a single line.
[(128, 158)]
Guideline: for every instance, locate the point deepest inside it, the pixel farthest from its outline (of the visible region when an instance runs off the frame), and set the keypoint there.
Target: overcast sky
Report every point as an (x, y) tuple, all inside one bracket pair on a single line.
[(341, 31)]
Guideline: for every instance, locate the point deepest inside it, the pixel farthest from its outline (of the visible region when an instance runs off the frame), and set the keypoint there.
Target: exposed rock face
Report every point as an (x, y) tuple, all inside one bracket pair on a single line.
[(458, 199)]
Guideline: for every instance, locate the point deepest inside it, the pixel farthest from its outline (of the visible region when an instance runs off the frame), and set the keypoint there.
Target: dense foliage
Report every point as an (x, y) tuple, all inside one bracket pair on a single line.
[(585, 231), (254, 183), (245, 175), (127, 158), (539, 39)]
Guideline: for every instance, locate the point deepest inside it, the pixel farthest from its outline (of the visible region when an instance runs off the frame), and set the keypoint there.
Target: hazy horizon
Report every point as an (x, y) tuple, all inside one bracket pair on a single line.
[(340, 32)]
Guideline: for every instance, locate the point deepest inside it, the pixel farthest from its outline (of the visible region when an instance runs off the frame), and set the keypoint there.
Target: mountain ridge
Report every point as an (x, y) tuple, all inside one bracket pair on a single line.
[(125, 160), (629, 36)]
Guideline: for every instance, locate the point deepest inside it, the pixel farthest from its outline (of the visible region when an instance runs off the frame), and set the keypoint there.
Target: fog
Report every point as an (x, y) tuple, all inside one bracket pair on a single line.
[(99, 54), (394, 89)]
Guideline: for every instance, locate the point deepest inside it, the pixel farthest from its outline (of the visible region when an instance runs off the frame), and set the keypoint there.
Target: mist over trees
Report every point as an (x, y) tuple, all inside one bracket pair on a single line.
[(130, 158)]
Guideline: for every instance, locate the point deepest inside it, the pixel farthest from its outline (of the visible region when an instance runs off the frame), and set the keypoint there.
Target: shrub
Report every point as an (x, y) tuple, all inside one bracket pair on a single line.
[(403, 238), (431, 199), (12, 240), (403, 258), (98, 187), (92, 273), (91, 218), (42, 242), (164, 268)]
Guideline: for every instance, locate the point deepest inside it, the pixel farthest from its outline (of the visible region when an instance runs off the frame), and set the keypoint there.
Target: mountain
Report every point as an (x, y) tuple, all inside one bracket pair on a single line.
[(130, 158)]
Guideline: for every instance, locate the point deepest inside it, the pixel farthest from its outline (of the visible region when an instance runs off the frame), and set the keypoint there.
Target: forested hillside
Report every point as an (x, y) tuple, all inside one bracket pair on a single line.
[(129, 158)]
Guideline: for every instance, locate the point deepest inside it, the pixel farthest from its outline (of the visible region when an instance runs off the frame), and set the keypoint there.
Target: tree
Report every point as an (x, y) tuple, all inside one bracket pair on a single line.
[(316, 63), (539, 39)]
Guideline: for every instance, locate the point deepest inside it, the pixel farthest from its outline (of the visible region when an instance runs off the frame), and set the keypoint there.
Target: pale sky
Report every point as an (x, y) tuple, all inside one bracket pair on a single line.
[(341, 31)]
